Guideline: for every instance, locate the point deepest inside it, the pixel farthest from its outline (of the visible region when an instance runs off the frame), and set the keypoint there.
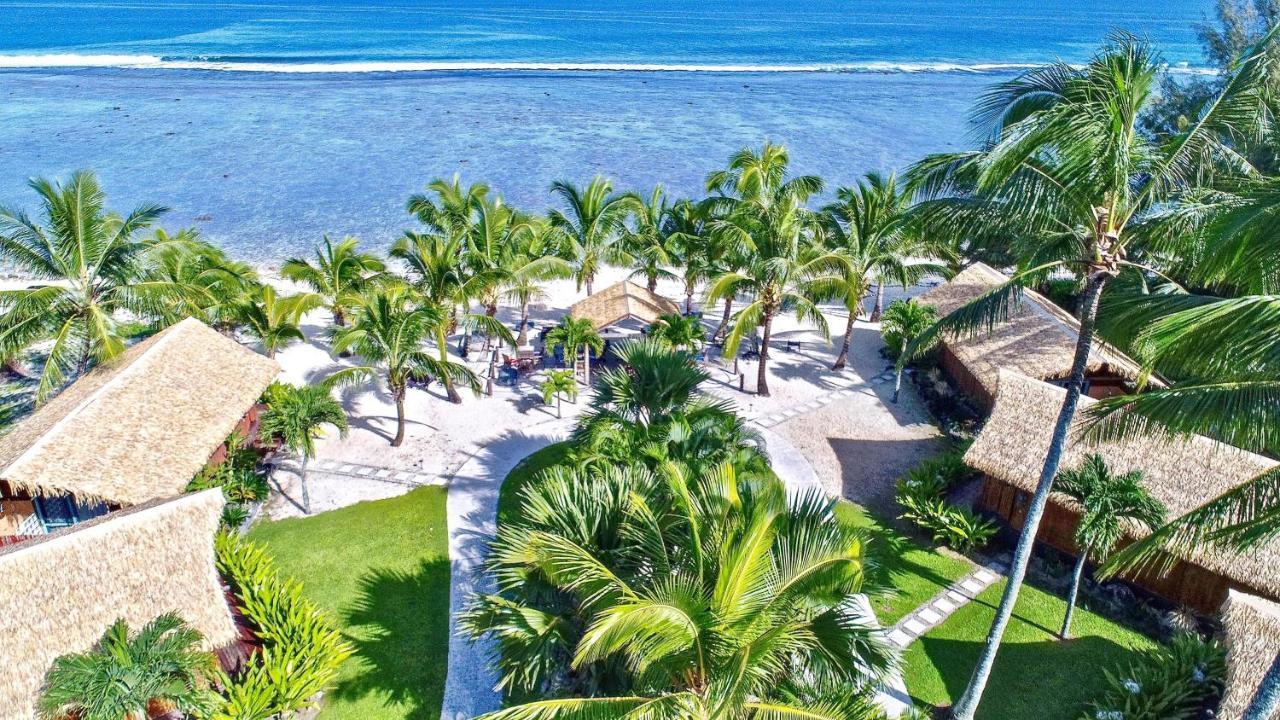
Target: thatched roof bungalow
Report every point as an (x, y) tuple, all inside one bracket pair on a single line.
[(1182, 474), (62, 590), (140, 427), (622, 302), (1038, 340), (1251, 627)]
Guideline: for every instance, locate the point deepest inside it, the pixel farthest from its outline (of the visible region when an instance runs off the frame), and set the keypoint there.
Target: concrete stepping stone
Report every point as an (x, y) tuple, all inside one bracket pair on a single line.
[(915, 627), (973, 586), (899, 638), (929, 615), (985, 576), (944, 605)]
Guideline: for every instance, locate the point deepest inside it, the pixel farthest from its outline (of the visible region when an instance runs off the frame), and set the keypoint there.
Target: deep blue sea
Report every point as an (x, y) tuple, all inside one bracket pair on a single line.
[(266, 124)]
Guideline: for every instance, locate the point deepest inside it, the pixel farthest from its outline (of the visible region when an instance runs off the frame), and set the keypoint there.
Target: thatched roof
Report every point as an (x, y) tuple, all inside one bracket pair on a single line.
[(1251, 626), (61, 591), (140, 427), (1039, 339), (623, 301), (1182, 474)]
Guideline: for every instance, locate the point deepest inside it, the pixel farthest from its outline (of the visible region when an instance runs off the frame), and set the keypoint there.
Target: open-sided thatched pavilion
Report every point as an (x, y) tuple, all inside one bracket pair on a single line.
[(130, 431), (621, 302), (61, 591)]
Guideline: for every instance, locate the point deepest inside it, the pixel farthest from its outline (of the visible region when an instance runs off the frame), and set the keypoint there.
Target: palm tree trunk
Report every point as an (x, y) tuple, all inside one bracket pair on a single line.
[(523, 338), (589, 283), (762, 373), (1266, 700), (843, 358), (688, 298), (452, 392), (399, 396), (968, 704), (559, 402), (897, 386), (878, 309), (653, 282), (271, 350), (1071, 594), (724, 319), (306, 496), (586, 365)]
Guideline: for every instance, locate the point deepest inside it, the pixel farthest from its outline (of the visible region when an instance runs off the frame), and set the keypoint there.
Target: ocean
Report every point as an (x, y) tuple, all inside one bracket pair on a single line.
[(269, 124)]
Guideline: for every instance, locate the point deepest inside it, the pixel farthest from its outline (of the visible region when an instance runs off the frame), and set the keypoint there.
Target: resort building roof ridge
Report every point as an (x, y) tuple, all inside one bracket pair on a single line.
[(622, 301), (1251, 629)]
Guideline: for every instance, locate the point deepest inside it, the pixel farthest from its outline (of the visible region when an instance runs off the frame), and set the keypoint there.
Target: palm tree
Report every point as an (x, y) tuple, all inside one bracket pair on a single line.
[(693, 248), (901, 324), (649, 240), (784, 269), (452, 210), (443, 279), (93, 261), (869, 225), (572, 334), (592, 223), (531, 261), (274, 320), (679, 331), (297, 416), (1065, 182), (158, 673), (338, 274), (559, 384), (643, 594), (216, 284), (1106, 503), (387, 331)]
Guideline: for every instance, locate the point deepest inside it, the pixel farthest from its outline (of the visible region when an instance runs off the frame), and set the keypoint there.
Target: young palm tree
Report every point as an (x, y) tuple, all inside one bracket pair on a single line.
[(694, 250), (274, 320), (297, 416), (452, 209), (387, 331), (1065, 181), (679, 331), (901, 324), (94, 262), (216, 284), (784, 268), (592, 224), (339, 273), (443, 279), (1106, 503), (572, 334), (158, 673), (642, 594), (558, 385), (869, 225), (648, 241)]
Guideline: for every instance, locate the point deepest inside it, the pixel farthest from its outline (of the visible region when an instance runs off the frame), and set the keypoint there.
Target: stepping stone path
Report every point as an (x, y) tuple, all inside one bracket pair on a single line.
[(372, 472), (933, 613), (768, 421)]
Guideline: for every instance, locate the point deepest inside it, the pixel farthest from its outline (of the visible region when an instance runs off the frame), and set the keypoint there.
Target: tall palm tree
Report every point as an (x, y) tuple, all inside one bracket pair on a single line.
[(1107, 502), (1065, 183), (216, 284), (642, 594), (157, 673), (784, 268), (592, 222), (648, 239), (93, 261), (388, 330), (438, 267), (693, 249), (531, 261), (448, 208), (338, 273), (573, 334), (275, 320), (297, 415), (869, 225)]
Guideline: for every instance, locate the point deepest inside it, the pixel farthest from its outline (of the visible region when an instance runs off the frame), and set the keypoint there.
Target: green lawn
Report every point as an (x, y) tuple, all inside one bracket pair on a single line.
[(523, 473), (1035, 676), (381, 569)]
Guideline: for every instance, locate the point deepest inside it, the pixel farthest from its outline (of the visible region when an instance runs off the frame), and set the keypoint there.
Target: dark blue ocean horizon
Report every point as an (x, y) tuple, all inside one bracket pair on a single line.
[(264, 162)]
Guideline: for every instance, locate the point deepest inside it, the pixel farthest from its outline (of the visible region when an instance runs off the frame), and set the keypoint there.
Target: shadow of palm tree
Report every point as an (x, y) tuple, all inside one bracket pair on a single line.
[(399, 625)]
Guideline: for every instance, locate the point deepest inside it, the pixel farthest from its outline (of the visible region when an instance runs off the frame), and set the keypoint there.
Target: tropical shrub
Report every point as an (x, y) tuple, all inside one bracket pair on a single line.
[(921, 495), (238, 478), (301, 650), (1174, 682)]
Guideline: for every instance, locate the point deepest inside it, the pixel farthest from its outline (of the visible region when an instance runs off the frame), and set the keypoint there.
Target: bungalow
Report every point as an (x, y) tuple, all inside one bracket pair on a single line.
[(1251, 627), (623, 304), (130, 431), (1038, 341), (137, 564), (1182, 474)]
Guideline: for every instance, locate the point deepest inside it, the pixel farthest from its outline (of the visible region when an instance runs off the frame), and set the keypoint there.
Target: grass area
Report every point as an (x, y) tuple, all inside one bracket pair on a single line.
[(913, 571), (381, 569), (523, 473), (1035, 676)]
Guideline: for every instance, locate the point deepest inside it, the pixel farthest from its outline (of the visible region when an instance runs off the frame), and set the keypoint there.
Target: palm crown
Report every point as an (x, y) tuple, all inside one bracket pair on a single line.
[(339, 272), (592, 222)]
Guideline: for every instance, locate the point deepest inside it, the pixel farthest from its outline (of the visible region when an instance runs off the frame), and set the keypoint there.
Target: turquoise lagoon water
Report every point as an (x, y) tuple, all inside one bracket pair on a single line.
[(266, 124)]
